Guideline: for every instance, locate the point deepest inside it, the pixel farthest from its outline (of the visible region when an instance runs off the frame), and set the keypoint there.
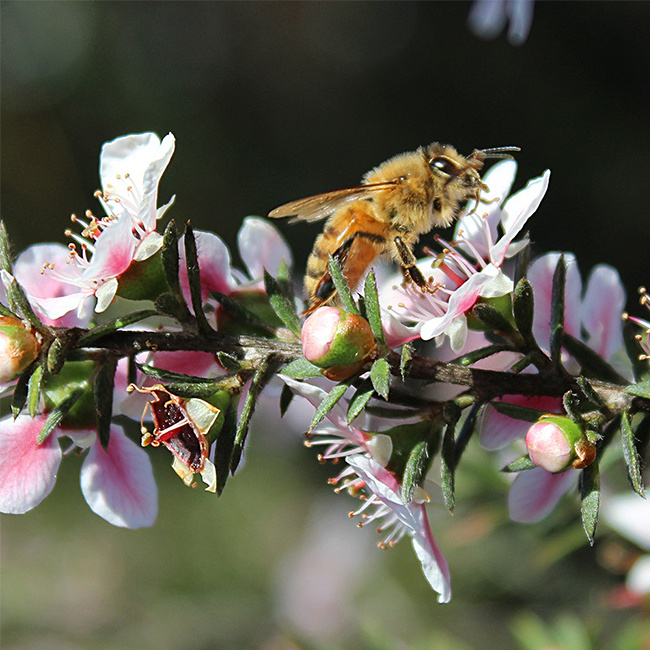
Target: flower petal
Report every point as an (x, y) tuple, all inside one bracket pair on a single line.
[(535, 492), (261, 246), (118, 484), (27, 470)]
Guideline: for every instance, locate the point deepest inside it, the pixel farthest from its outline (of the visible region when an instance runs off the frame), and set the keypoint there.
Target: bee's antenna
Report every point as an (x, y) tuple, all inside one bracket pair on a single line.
[(495, 152)]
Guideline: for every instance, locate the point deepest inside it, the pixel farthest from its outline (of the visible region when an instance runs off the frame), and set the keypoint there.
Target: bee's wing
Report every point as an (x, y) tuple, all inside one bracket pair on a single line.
[(320, 206)]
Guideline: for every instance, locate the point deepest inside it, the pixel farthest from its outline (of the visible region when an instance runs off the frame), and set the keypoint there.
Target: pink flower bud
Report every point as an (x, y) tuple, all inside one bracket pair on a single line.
[(18, 347), (337, 341), (556, 443)]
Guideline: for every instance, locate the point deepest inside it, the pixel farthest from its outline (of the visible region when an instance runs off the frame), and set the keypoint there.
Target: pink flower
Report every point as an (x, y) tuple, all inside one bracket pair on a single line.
[(470, 267), (402, 519), (130, 169), (366, 455), (117, 483), (534, 493), (260, 246)]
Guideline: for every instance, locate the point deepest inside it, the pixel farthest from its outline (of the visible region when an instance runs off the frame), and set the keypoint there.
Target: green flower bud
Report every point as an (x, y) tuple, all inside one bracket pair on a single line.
[(337, 341)]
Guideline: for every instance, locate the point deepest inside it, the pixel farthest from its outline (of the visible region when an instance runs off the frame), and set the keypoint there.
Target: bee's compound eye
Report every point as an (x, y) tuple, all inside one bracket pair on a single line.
[(445, 165)]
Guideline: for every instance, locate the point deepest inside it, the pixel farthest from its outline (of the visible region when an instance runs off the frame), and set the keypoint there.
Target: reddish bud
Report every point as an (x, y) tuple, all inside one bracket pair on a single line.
[(556, 443), (337, 341), (18, 347)]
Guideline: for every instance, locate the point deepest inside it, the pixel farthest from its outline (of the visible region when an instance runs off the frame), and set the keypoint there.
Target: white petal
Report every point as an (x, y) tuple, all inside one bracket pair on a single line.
[(261, 246)]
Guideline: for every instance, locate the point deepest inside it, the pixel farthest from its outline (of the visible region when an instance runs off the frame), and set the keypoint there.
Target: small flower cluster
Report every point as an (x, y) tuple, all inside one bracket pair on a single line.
[(538, 363)]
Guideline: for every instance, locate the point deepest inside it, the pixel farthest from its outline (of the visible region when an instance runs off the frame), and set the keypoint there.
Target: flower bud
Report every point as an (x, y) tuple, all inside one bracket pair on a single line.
[(338, 341), (556, 443), (18, 347)]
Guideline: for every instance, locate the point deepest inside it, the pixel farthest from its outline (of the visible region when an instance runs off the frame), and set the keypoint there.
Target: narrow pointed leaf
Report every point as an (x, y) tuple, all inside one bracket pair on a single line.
[(194, 278), (170, 259), (34, 390), (229, 362), (482, 353), (591, 363), (112, 326), (380, 377), (329, 403), (103, 387), (58, 413), (642, 389), (360, 398), (239, 312), (405, 360), (286, 397), (282, 304), (590, 494), (447, 467), (518, 412), (5, 311), (265, 371), (631, 455), (301, 369), (341, 285), (167, 304), (519, 465), (19, 304), (416, 467), (523, 310), (224, 446), (557, 310), (466, 432), (492, 318), (19, 398), (373, 310)]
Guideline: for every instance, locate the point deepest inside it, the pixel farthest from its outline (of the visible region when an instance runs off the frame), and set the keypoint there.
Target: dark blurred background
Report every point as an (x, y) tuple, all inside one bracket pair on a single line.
[(271, 101)]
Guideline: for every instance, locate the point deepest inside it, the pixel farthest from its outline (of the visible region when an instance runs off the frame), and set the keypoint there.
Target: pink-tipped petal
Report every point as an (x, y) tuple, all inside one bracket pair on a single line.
[(499, 430), (27, 470), (118, 484), (535, 492)]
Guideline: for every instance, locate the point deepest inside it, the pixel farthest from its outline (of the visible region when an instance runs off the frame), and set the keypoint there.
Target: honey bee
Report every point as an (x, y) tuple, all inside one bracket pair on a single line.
[(403, 198)]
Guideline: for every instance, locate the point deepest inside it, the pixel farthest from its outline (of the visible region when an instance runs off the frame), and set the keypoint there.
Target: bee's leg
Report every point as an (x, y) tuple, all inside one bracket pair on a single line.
[(411, 272)]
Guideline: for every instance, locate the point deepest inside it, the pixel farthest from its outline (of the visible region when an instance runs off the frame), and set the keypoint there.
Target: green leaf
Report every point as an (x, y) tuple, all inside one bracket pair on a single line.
[(265, 371), (405, 359), (5, 311), (301, 369), (112, 326), (282, 304), (591, 363), (34, 390), (518, 412), (21, 390), (170, 259), (416, 467), (167, 304), (229, 362), (466, 431), (341, 285), (519, 465), (380, 377), (523, 308), (328, 403), (224, 446), (103, 387), (448, 466), (194, 278), (286, 397), (590, 494), (631, 455), (189, 386), (390, 413), (19, 304), (373, 310), (5, 249), (482, 353), (239, 312), (58, 413), (360, 398), (642, 389), (492, 318), (557, 310)]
